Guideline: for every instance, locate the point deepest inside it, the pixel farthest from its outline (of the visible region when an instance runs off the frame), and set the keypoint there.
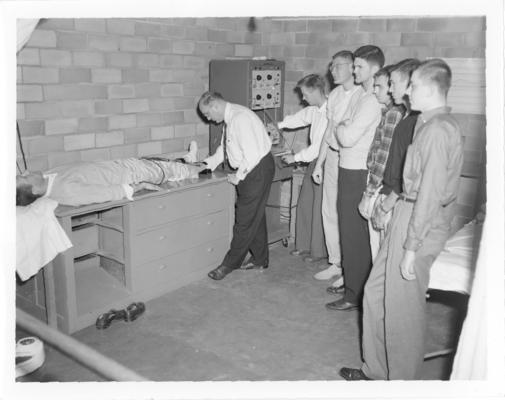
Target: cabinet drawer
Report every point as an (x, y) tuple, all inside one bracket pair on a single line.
[(178, 236), (159, 210), (177, 267)]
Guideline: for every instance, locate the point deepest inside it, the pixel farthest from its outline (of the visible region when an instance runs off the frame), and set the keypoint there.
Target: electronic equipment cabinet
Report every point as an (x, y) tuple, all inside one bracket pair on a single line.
[(134, 251)]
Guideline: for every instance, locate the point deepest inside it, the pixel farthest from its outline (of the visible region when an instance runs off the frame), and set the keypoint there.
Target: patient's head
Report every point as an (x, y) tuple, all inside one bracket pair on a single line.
[(29, 187)]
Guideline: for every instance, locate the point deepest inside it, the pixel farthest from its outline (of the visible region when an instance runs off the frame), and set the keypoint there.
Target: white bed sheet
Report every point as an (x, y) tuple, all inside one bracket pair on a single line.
[(454, 268)]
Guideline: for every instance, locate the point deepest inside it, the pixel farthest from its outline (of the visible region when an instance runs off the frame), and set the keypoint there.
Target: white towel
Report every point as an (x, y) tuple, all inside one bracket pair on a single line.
[(39, 237)]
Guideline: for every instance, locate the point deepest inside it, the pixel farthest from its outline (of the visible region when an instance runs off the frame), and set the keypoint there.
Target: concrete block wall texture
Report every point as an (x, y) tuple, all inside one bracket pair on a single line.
[(111, 88)]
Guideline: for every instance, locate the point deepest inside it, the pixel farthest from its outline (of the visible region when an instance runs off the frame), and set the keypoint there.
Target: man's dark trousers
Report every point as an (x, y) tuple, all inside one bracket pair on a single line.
[(250, 228), (354, 238)]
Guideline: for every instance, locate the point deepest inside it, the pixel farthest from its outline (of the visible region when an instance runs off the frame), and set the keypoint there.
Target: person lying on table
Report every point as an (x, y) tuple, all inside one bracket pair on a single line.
[(100, 181)]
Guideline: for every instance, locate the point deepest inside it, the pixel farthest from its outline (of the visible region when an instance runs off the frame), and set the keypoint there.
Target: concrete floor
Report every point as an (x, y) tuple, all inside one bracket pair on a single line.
[(252, 326)]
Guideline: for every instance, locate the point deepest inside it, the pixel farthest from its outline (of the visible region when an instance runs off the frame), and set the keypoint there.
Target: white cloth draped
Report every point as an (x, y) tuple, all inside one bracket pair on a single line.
[(470, 362), (39, 237)]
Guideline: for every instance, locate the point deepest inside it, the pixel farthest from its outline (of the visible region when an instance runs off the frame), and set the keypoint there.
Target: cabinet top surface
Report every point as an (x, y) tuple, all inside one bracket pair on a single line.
[(168, 187)]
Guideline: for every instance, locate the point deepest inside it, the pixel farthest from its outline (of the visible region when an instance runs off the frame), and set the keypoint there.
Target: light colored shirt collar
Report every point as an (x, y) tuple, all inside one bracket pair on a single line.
[(50, 182), (351, 90), (427, 115)]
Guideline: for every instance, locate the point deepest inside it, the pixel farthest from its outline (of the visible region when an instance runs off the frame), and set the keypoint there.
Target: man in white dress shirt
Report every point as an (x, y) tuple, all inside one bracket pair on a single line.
[(245, 144), (309, 239)]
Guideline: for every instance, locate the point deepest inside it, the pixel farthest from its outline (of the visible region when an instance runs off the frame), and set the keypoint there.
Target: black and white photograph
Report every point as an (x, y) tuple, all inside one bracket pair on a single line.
[(252, 200)]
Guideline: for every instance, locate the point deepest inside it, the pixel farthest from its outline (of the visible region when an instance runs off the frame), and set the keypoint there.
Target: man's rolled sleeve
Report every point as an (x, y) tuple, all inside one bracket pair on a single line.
[(298, 120)]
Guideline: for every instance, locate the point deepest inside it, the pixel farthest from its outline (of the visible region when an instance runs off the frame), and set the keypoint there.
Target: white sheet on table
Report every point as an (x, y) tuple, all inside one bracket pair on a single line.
[(39, 237)]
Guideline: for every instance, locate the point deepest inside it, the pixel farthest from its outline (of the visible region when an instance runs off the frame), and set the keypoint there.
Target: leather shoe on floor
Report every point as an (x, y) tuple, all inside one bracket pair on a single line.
[(353, 374), (341, 305), (220, 272), (297, 252), (250, 265), (335, 290), (312, 259), (104, 320), (134, 310)]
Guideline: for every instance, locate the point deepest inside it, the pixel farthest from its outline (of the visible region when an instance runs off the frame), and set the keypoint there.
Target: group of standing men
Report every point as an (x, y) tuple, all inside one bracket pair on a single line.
[(377, 199)]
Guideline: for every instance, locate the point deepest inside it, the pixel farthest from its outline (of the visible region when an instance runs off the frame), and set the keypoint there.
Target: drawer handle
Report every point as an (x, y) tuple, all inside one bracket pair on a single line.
[(162, 237), (210, 222), (163, 266), (210, 249), (161, 207), (210, 194)]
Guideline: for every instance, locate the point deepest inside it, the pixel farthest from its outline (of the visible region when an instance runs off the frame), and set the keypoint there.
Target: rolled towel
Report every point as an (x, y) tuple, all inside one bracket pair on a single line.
[(30, 355)]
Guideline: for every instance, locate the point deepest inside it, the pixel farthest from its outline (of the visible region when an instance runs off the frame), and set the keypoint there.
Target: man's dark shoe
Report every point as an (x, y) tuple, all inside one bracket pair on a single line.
[(220, 272), (312, 259), (341, 305), (134, 310), (353, 374), (333, 290), (249, 264), (104, 320)]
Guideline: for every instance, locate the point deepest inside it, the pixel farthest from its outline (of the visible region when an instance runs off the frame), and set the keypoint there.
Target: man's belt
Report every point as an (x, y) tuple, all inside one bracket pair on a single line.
[(407, 199)]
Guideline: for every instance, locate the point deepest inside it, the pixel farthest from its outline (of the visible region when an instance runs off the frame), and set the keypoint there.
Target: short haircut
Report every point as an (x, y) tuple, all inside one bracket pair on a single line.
[(312, 81), (24, 195), (210, 97), (384, 71), (371, 54), (437, 72), (406, 67), (345, 54)]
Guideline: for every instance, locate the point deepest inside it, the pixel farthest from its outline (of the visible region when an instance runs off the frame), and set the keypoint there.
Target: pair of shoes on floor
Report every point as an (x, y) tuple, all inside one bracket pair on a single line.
[(341, 305), (312, 259), (249, 264), (129, 314), (220, 272), (332, 271), (297, 252), (353, 374)]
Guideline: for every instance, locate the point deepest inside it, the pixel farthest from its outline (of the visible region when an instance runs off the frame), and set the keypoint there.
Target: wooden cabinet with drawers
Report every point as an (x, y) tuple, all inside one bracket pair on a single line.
[(135, 251)]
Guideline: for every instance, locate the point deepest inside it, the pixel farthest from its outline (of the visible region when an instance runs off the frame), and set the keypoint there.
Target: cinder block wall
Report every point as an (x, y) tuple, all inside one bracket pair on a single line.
[(95, 89)]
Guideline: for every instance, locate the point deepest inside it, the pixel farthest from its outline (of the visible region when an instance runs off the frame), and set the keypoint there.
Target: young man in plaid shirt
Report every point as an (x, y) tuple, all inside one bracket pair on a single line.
[(379, 151)]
